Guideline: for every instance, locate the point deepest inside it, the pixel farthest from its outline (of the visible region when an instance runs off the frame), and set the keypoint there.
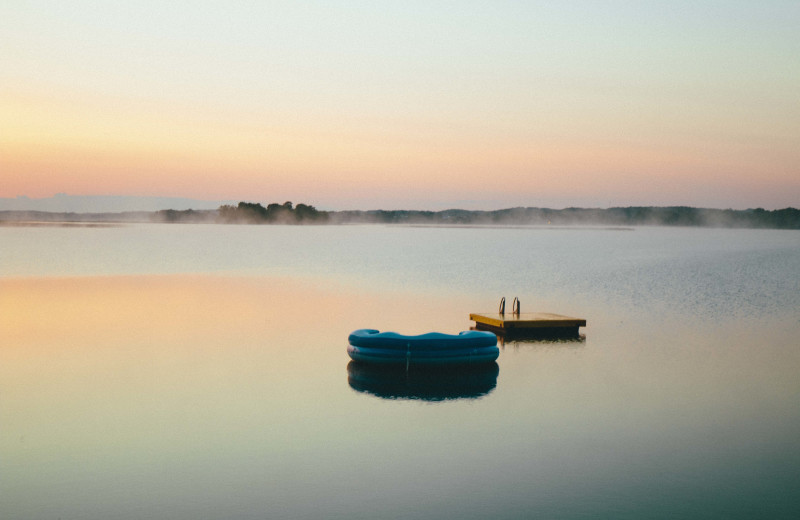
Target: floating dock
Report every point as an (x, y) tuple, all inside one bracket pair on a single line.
[(528, 324)]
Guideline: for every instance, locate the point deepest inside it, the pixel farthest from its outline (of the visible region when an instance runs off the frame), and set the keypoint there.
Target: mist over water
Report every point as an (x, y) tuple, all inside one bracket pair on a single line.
[(710, 273), (200, 372)]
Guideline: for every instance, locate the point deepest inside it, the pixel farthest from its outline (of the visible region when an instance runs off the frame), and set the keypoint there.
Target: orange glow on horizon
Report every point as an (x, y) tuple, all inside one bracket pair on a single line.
[(80, 144)]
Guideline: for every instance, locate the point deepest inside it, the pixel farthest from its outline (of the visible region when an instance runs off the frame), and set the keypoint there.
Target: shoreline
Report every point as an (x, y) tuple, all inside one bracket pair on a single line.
[(540, 218)]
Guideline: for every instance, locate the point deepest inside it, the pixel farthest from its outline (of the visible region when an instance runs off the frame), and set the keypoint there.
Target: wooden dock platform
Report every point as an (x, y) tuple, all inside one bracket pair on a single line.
[(528, 323)]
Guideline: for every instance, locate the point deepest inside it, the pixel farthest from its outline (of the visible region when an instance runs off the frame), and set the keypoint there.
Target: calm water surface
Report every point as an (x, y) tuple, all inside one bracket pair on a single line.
[(183, 372)]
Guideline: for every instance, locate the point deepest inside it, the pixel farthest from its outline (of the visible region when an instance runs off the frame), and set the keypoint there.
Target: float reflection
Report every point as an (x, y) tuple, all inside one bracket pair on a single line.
[(423, 383)]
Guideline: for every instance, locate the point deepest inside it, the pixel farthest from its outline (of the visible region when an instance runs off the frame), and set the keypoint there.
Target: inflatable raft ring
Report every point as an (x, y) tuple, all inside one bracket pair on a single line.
[(434, 348)]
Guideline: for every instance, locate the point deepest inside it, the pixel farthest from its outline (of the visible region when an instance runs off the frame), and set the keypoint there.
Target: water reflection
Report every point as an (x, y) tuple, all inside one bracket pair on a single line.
[(423, 383), (517, 342)]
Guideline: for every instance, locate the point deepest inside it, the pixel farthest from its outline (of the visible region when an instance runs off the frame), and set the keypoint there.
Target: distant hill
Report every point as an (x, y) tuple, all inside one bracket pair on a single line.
[(63, 203)]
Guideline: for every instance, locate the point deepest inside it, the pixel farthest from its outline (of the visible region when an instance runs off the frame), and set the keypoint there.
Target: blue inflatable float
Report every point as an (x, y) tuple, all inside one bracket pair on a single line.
[(433, 348)]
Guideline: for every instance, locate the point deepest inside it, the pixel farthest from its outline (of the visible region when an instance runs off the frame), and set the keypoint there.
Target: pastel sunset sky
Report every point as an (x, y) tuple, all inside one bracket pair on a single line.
[(409, 104)]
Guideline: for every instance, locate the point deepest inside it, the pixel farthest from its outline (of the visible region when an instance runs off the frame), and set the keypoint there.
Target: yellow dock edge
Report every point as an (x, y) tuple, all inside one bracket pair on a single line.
[(508, 322)]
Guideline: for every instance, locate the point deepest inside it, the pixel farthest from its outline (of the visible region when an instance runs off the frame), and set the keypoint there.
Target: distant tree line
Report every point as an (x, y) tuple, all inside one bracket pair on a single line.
[(286, 213), (788, 218), (187, 215), (246, 213), (250, 213)]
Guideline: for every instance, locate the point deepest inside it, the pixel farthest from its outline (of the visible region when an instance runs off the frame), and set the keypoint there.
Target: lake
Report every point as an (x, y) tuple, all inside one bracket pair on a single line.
[(200, 372)]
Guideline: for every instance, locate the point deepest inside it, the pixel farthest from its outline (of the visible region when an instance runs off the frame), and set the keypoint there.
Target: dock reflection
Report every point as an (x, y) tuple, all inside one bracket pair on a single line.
[(516, 342), (423, 383), (533, 336)]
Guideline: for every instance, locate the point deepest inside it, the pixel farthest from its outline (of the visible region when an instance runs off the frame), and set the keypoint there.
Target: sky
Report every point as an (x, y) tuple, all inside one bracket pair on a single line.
[(404, 105)]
